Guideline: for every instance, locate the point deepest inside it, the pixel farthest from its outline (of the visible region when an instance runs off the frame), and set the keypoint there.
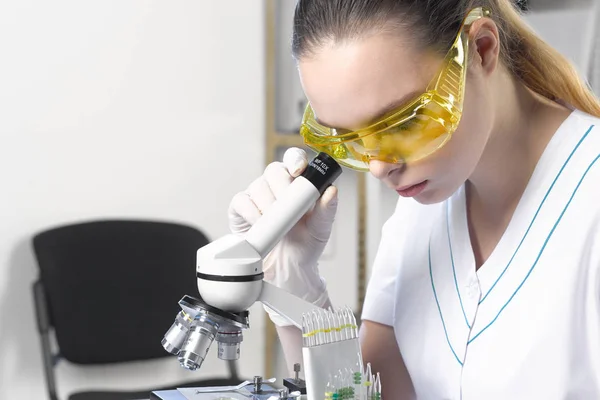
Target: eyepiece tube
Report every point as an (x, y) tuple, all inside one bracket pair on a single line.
[(296, 201)]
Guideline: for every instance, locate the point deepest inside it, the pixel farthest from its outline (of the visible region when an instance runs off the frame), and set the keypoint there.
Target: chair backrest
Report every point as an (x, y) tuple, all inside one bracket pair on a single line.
[(112, 287)]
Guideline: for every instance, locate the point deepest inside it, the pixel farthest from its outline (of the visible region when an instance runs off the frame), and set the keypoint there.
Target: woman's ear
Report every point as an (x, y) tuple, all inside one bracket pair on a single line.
[(485, 41)]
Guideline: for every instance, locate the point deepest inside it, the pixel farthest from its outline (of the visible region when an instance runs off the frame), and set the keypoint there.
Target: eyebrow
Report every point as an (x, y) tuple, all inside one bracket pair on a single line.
[(384, 111)]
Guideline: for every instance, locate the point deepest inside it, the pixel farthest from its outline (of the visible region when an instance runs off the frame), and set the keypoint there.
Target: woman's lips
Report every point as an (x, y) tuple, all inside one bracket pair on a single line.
[(412, 191)]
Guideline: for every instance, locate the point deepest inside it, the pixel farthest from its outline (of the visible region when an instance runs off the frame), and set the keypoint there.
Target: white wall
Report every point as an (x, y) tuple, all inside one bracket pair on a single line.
[(290, 99), (134, 109), (570, 28)]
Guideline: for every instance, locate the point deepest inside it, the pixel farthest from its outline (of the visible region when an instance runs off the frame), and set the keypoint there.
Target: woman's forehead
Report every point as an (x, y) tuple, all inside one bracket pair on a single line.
[(351, 83)]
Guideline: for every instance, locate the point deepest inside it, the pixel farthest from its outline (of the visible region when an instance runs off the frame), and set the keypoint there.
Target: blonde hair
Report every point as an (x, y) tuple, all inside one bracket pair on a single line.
[(435, 23)]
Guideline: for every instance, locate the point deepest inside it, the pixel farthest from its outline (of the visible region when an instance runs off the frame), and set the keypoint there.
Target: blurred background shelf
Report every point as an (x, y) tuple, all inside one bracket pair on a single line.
[(285, 104)]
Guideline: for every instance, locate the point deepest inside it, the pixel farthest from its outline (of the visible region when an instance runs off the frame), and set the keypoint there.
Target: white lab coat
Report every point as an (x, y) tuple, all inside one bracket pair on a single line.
[(527, 324)]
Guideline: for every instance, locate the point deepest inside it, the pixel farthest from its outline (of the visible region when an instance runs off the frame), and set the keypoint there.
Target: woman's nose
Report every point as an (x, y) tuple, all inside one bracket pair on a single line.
[(383, 170)]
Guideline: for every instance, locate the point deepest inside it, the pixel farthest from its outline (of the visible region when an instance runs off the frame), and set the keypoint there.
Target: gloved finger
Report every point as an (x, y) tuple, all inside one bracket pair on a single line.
[(242, 213), (261, 194), (295, 160), (278, 178), (320, 220)]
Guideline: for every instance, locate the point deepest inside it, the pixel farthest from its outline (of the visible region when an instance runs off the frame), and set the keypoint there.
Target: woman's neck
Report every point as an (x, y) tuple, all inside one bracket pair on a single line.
[(524, 123)]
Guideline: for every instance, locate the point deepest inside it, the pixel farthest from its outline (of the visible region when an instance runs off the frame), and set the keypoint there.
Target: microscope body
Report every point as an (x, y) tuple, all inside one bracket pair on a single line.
[(230, 275)]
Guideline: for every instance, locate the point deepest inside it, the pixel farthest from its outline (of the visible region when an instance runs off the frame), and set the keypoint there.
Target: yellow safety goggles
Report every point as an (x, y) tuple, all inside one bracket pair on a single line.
[(411, 133)]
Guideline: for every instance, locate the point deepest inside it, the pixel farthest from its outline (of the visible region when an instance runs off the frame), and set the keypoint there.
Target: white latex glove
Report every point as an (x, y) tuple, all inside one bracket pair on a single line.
[(293, 264)]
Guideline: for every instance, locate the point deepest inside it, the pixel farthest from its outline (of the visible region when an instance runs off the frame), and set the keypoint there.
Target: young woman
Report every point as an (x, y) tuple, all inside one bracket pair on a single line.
[(487, 283)]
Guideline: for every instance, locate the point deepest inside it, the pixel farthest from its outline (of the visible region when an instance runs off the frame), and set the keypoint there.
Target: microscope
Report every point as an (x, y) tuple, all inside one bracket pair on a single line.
[(230, 276)]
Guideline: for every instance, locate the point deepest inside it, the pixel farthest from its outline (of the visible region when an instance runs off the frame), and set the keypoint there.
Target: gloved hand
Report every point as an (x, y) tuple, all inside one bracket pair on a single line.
[(293, 264)]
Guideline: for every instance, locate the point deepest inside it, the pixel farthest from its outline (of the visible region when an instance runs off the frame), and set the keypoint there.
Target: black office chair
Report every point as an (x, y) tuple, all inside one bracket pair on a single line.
[(110, 289)]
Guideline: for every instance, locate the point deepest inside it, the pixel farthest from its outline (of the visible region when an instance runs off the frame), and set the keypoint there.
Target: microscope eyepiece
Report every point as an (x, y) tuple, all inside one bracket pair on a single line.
[(322, 171)]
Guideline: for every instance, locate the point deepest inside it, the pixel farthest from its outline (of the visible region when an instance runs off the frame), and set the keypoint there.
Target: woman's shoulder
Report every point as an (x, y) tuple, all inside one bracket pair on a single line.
[(574, 176), (580, 121), (588, 118), (576, 153), (570, 167), (587, 152)]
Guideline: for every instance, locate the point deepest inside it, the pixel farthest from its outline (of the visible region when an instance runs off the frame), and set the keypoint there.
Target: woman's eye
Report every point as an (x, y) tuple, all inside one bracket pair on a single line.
[(400, 129)]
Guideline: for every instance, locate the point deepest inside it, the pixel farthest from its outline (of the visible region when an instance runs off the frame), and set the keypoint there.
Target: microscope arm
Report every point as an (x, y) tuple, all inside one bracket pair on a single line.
[(285, 304)]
